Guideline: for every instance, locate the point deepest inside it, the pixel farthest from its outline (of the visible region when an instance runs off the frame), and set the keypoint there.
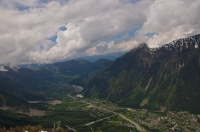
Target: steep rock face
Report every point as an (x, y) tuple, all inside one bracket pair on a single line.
[(168, 76), (118, 76)]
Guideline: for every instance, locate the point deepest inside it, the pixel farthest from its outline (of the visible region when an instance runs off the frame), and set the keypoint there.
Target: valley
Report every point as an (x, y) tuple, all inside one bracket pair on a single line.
[(143, 119), (85, 115), (99, 66), (145, 90)]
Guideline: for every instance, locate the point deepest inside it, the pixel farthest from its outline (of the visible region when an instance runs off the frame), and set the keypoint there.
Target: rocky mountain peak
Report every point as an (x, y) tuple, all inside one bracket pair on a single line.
[(192, 42), (166, 76)]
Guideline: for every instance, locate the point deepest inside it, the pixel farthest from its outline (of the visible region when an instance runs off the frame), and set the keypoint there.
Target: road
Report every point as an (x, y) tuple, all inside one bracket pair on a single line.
[(98, 120), (69, 128), (137, 126)]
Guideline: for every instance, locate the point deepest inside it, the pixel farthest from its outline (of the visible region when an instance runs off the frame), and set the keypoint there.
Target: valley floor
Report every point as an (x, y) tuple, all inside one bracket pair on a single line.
[(142, 119), (85, 115)]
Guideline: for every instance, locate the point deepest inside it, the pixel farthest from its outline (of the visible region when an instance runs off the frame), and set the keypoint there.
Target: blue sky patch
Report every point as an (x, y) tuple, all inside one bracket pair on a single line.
[(20, 6), (53, 38), (63, 28), (131, 33), (151, 34), (41, 47)]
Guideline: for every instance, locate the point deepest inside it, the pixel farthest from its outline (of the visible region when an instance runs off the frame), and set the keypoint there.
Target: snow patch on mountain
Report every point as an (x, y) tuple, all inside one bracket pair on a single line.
[(2, 68), (180, 44)]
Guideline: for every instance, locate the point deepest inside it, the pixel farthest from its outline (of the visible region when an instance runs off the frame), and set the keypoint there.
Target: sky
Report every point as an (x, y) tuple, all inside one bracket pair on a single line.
[(47, 31)]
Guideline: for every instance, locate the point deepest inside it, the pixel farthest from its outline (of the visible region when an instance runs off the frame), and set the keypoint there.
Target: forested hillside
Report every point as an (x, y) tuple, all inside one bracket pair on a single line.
[(165, 77)]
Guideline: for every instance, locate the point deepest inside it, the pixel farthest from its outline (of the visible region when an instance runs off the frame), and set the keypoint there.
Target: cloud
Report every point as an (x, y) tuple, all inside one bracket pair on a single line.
[(21, 4), (92, 27), (170, 20), (106, 48)]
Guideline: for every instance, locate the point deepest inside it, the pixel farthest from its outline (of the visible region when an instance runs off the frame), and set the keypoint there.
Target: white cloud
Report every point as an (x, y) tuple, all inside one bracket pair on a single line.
[(171, 20), (90, 24), (67, 43), (105, 48)]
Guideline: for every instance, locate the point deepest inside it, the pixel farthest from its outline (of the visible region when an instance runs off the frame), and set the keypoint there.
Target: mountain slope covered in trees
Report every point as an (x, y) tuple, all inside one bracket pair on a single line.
[(47, 81), (167, 77)]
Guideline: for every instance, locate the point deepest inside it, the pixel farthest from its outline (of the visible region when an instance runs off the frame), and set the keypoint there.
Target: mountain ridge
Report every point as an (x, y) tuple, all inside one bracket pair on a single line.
[(158, 75), (77, 66), (47, 81)]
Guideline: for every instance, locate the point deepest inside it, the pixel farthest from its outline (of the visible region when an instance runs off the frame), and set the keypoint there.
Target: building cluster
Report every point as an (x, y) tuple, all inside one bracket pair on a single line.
[(172, 121)]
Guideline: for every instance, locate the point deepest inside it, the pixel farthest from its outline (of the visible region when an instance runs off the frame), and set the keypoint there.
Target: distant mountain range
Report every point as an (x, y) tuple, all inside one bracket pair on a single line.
[(166, 78), (17, 86), (77, 66)]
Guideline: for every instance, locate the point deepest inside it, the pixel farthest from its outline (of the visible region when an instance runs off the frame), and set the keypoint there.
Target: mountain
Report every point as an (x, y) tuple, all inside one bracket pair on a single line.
[(73, 67), (167, 77), (84, 79), (10, 100), (31, 65), (101, 63), (25, 83), (49, 81)]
